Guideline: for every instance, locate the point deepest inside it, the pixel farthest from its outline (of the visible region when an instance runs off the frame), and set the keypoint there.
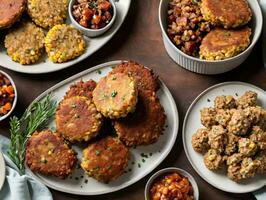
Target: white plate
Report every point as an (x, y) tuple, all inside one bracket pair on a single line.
[(76, 183), (44, 65), (2, 170), (192, 123)]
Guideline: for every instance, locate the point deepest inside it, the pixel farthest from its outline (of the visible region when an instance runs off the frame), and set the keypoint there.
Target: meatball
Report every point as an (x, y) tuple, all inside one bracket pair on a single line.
[(261, 159), (232, 144), (223, 117), (145, 125), (116, 95), (217, 138), (200, 140), (224, 102), (248, 168), (105, 160), (233, 172), (254, 114), (262, 121), (247, 147), (47, 153), (77, 119), (213, 159), (247, 100), (234, 159), (258, 136), (207, 117), (239, 123)]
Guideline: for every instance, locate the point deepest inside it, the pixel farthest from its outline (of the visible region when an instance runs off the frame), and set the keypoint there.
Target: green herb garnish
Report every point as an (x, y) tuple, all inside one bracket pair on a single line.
[(97, 152), (114, 93), (114, 78), (92, 4), (35, 117)]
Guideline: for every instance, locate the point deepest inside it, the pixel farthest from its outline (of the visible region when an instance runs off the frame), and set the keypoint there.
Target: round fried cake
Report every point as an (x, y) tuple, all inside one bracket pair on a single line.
[(226, 13), (81, 88), (145, 125), (77, 119), (47, 153), (11, 11), (221, 44), (116, 95), (105, 160)]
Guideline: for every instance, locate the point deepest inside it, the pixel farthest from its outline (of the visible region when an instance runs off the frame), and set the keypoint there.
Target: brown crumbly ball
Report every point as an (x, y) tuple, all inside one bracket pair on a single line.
[(226, 13), (233, 172), (200, 140), (232, 144), (10, 12), (258, 136), (235, 159), (145, 77), (262, 121), (248, 168), (145, 125), (81, 88), (223, 117), (254, 114), (47, 153), (261, 159), (239, 123), (207, 117), (248, 99), (220, 44), (217, 138), (105, 160), (247, 147), (213, 160), (116, 95), (224, 102), (77, 119)]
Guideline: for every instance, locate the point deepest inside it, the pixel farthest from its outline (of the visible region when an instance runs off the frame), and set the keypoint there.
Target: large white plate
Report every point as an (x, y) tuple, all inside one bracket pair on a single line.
[(2, 170), (44, 65), (192, 123), (78, 182)]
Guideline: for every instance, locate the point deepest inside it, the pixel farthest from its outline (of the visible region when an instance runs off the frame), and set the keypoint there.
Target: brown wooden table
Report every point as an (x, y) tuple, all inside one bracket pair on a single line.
[(140, 39)]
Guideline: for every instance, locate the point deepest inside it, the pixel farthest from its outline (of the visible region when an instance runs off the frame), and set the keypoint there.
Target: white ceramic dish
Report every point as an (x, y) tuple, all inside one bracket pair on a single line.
[(210, 67), (171, 170), (44, 65), (15, 98), (137, 168), (192, 123), (91, 32), (2, 170)]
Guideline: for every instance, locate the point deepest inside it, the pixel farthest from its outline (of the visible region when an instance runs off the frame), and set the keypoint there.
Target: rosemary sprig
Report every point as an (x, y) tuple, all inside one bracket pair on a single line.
[(34, 118)]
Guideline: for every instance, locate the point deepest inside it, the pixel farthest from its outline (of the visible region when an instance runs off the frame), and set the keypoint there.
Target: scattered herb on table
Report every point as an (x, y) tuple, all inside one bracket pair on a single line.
[(35, 117)]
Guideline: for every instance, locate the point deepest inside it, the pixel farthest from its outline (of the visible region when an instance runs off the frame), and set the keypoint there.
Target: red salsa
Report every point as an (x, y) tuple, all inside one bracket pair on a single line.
[(6, 95), (93, 14)]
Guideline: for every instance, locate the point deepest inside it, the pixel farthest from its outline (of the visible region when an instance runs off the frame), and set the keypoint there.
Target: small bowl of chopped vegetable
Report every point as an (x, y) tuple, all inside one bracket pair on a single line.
[(8, 95), (171, 183), (93, 17)]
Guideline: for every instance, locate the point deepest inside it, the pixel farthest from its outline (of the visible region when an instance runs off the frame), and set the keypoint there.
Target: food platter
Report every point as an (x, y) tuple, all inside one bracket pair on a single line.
[(2, 170), (93, 44), (192, 123), (138, 166)]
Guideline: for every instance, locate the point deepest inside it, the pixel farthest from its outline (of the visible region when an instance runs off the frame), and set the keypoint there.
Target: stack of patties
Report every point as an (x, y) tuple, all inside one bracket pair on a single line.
[(230, 35)]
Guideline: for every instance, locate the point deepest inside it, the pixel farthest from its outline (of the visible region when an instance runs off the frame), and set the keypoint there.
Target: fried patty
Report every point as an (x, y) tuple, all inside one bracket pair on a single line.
[(145, 125), (221, 44), (77, 119), (116, 95), (47, 153), (105, 160), (81, 88), (25, 43), (144, 76), (11, 11), (47, 13), (64, 43), (226, 13)]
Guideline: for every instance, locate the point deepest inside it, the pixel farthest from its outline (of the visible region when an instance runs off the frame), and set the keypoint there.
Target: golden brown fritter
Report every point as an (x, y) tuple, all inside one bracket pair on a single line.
[(11, 11), (221, 44), (116, 95), (105, 160), (144, 76), (47, 153), (145, 125), (226, 13), (77, 119), (81, 88)]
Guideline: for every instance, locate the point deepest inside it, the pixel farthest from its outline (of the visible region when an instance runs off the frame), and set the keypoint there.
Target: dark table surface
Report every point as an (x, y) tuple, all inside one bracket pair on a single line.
[(139, 39)]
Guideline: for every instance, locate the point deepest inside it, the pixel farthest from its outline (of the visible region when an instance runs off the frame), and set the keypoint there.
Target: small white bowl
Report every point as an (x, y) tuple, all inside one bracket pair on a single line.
[(15, 98), (169, 170), (87, 31), (210, 67)]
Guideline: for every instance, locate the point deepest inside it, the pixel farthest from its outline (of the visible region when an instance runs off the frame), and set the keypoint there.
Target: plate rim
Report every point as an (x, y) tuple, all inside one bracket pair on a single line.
[(75, 61), (184, 126), (2, 168), (157, 163)]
